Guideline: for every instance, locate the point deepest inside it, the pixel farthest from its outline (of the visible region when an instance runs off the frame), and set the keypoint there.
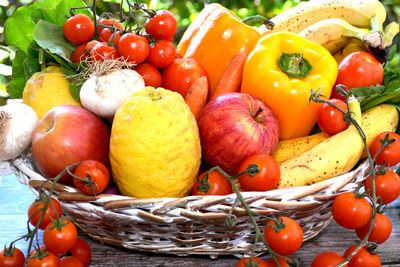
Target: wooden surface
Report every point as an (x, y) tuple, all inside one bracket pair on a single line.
[(15, 199)]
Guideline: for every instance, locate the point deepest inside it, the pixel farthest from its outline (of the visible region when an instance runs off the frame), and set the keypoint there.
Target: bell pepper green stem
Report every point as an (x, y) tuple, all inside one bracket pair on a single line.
[(294, 65)]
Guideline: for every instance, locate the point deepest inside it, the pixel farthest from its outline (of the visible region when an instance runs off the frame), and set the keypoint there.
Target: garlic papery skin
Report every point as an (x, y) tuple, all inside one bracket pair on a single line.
[(104, 94), (17, 123)]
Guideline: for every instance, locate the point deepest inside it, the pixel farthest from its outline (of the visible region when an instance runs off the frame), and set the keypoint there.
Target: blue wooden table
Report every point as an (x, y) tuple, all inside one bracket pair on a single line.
[(15, 199)]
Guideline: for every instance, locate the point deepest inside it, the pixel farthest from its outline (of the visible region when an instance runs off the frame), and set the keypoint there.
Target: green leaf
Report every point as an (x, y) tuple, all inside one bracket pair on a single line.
[(18, 80), (50, 37), (366, 93), (18, 29), (74, 83)]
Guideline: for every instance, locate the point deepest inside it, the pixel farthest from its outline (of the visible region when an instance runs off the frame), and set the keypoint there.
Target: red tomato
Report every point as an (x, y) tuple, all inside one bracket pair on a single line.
[(36, 208), (59, 237), (162, 54), (151, 75), (90, 45), (103, 51), (282, 262), (268, 177), (246, 261), (13, 258), (358, 69), (387, 186), (363, 258), (327, 259), (106, 35), (331, 120), (109, 23), (381, 229), (216, 184), (351, 212), (288, 240), (71, 261), (96, 174), (48, 259), (82, 251), (162, 26), (180, 75), (133, 48), (390, 154), (79, 29), (79, 54)]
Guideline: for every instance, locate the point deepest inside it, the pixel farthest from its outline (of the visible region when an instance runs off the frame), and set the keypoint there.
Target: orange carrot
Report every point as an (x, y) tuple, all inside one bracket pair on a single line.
[(196, 97), (232, 77)]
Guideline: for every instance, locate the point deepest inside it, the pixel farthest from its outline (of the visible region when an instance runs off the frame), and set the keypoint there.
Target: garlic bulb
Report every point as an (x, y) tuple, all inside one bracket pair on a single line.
[(17, 123), (104, 94)]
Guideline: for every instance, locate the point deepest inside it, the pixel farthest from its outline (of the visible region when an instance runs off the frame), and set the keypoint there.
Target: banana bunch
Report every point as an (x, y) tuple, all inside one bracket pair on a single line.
[(336, 23), (317, 157)]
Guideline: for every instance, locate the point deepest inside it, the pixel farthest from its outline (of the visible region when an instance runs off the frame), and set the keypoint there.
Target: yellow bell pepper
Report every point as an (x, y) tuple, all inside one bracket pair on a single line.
[(281, 71), (214, 37)]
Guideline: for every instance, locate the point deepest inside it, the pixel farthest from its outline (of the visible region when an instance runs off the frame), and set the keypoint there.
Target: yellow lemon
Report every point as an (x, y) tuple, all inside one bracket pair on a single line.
[(155, 146), (45, 90)]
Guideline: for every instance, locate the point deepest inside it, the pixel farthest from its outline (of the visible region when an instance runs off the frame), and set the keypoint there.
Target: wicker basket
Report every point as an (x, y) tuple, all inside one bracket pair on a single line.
[(193, 224)]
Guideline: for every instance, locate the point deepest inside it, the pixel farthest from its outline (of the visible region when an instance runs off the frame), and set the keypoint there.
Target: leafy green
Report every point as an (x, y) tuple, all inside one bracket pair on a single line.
[(18, 80), (50, 37)]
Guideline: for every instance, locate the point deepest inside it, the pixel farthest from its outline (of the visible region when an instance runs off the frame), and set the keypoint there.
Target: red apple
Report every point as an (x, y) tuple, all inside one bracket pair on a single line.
[(235, 126), (68, 134)]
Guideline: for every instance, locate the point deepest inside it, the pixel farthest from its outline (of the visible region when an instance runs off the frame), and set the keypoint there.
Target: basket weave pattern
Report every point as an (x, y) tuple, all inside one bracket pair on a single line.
[(193, 224)]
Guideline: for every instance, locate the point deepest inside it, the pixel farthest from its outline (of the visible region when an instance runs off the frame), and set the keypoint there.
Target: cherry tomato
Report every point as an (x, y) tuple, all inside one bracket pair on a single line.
[(103, 51), (90, 45), (381, 229), (79, 54), (109, 23), (59, 237), (351, 212), (288, 240), (360, 64), (162, 26), (181, 74), (96, 174), (282, 262), (35, 211), (70, 261), (133, 48), (387, 186), (327, 259), (268, 177), (82, 251), (162, 54), (390, 154), (79, 29), (216, 184), (246, 261), (47, 259), (331, 120), (151, 75), (363, 258), (13, 258), (106, 35)]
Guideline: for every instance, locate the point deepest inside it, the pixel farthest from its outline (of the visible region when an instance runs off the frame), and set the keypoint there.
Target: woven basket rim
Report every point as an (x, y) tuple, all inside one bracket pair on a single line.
[(95, 215)]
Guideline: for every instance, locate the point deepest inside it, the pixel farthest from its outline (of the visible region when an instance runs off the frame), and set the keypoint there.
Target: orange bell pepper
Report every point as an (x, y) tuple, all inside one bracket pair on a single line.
[(281, 71), (214, 37)]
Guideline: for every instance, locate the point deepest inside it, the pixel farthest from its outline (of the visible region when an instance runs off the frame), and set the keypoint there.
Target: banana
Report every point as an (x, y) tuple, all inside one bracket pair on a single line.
[(353, 46), (381, 118), (290, 148), (333, 34), (360, 13), (334, 156)]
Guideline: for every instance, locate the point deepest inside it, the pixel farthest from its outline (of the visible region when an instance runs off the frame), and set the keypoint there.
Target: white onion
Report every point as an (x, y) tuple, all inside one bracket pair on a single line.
[(104, 94), (17, 123)]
